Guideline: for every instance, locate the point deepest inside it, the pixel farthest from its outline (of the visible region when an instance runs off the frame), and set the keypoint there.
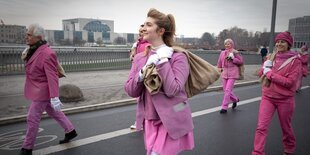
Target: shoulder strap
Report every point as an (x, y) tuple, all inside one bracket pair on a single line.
[(289, 60)]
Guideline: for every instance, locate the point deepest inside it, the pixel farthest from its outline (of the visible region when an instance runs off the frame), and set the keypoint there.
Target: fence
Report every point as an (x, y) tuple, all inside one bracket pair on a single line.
[(92, 58)]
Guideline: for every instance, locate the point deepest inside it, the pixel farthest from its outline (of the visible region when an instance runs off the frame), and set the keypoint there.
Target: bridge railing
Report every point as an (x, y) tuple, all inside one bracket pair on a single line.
[(92, 58)]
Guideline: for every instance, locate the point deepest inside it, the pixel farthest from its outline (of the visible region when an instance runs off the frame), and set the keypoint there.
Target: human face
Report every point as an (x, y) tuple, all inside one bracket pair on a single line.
[(141, 32), (30, 38), (281, 46), (151, 32), (228, 45)]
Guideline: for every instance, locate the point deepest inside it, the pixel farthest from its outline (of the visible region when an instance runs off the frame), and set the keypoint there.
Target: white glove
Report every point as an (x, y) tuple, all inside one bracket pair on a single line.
[(134, 45), (164, 52), (266, 70), (56, 103), (267, 64), (231, 55), (153, 59)]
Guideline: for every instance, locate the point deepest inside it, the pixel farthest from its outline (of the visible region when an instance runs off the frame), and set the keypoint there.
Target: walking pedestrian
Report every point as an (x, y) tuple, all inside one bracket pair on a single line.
[(41, 87), (165, 114), (263, 53), (303, 53), (138, 47), (228, 63), (281, 70)]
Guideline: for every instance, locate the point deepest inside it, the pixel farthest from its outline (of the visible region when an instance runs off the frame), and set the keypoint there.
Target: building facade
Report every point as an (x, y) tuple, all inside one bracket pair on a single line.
[(12, 34), (300, 30), (87, 30)]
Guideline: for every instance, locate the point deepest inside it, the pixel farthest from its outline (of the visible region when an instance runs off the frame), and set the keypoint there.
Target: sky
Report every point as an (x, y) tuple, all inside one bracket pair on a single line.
[(193, 17)]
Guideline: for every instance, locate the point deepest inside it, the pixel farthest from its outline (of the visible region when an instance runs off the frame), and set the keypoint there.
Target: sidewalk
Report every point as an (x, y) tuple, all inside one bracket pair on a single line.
[(101, 89)]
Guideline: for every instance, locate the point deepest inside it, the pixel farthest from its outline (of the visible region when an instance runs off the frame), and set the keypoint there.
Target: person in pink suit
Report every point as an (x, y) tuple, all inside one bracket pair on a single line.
[(279, 94), (304, 61), (228, 64), (41, 87), (138, 47), (166, 115)]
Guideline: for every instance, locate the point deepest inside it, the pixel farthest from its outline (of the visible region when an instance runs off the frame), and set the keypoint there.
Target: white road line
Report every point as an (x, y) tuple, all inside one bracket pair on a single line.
[(207, 111), (97, 138)]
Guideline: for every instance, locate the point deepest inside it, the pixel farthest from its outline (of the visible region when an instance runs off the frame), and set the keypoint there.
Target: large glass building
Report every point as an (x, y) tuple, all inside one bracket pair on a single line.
[(300, 30), (87, 30)]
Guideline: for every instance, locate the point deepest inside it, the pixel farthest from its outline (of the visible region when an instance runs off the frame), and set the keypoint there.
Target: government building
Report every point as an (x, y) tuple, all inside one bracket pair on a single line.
[(300, 30), (87, 30)]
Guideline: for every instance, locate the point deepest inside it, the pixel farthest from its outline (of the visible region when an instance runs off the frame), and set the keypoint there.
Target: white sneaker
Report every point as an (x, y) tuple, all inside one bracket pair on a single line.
[(133, 127)]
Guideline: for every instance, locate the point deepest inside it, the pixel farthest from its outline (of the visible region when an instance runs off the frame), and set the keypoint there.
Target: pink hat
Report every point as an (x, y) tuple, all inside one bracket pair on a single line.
[(285, 36)]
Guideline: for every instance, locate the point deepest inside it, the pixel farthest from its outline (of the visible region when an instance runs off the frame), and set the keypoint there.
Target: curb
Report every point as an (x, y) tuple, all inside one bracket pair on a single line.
[(106, 105)]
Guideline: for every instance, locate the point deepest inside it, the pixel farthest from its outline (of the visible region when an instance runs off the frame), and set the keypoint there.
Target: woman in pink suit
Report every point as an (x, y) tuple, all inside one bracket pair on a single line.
[(304, 61), (138, 47), (165, 116), (228, 63), (41, 87), (278, 95)]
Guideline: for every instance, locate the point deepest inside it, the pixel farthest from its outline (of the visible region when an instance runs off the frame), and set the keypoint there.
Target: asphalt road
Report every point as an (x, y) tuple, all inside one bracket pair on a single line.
[(106, 131)]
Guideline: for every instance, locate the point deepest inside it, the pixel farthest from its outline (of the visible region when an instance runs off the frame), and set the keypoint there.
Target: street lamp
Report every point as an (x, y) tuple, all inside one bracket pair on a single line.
[(273, 20)]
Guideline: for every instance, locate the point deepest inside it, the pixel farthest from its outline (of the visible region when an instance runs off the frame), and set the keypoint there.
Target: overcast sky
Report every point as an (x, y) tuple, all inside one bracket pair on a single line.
[(193, 17)]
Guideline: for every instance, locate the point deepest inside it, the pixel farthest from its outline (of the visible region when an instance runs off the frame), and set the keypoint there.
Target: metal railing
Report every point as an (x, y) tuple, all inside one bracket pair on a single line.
[(92, 58)]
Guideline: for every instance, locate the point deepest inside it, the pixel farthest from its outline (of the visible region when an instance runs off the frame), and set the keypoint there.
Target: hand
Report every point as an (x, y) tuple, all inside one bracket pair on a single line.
[(231, 55), (164, 52), (56, 103), (267, 64), (266, 70), (153, 59)]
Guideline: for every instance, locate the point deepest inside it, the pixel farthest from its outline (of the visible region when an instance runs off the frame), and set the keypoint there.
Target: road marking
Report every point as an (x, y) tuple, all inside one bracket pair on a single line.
[(207, 111), (97, 138)]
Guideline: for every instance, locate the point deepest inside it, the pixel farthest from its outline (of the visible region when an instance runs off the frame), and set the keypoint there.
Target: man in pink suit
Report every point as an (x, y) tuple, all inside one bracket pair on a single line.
[(41, 87), (278, 94), (228, 63)]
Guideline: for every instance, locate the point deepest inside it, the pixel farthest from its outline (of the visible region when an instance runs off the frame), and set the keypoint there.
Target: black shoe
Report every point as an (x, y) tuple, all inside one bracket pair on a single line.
[(223, 111), (25, 151), (68, 136), (234, 105)]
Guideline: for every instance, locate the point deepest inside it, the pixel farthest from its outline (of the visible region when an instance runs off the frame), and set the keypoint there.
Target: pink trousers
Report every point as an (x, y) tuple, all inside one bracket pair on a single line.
[(157, 140), (285, 109), (33, 120), (228, 86)]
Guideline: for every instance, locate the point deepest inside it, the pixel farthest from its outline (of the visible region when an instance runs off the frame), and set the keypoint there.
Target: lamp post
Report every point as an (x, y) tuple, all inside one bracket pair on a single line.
[(273, 20)]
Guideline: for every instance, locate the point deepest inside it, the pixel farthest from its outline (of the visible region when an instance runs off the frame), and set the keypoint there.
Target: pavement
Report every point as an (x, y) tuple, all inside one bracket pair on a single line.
[(101, 89)]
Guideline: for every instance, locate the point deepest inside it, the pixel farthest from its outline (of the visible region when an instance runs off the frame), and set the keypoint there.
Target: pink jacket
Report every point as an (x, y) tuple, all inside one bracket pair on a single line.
[(283, 79), (41, 75), (230, 68), (171, 102), (141, 45)]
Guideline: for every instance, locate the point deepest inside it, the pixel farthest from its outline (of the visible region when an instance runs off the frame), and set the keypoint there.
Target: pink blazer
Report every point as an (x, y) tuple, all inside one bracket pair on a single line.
[(283, 80), (41, 75), (171, 102), (230, 69)]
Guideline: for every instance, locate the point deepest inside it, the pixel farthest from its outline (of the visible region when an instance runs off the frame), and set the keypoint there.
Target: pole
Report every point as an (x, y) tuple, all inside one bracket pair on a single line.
[(273, 21)]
